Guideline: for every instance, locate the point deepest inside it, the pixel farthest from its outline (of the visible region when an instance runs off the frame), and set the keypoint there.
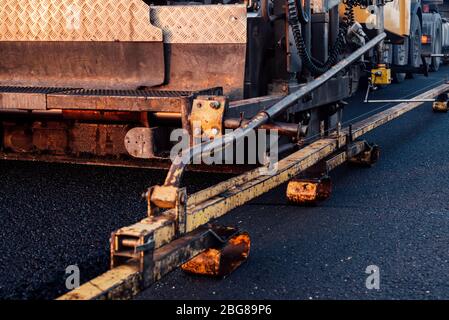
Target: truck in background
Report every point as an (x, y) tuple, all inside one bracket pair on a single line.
[(435, 34), (418, 32)]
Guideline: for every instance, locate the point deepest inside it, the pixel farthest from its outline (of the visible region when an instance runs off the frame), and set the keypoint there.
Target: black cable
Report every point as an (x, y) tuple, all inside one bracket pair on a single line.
[(297, 15), (304, 13)]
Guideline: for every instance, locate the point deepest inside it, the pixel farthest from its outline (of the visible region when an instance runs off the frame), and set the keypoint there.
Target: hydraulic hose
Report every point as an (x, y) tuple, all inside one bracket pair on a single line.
[(297, 14)]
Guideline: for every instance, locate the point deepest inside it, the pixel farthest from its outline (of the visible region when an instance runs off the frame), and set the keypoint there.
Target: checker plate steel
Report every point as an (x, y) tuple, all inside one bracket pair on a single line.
[(201, 23), (76, 20)]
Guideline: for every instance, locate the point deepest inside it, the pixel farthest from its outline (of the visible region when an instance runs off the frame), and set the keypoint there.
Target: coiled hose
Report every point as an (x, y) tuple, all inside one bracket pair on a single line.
[(297, 14)]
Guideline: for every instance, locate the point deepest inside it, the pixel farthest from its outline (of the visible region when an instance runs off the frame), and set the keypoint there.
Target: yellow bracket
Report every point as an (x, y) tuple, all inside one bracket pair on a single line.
[(381, 75), (206, 117)]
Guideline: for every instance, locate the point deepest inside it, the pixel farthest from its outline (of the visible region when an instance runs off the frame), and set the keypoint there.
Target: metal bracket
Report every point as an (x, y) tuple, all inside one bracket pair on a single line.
[(206, 117), (381, 75), (169, 197), (136, 243), (147, 246)]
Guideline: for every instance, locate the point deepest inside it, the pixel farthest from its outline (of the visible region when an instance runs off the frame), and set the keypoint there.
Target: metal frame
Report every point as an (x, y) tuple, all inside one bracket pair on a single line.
[(169, 249)]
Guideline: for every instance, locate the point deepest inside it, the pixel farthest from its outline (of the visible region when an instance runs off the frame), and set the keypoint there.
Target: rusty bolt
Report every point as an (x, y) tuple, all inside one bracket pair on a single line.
[(182, 199), (215, 104), (214, 131), (199, 105), (197, 131)]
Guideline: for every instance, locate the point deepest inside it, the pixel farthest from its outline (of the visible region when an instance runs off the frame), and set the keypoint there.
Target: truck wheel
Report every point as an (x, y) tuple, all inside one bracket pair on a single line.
[(437, 48), (414, 57), (400, 58)]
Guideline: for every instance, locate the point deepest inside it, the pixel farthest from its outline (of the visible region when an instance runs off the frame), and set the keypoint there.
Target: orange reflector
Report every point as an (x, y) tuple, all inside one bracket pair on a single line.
[(220, 262), (426, 39), (309, 191)]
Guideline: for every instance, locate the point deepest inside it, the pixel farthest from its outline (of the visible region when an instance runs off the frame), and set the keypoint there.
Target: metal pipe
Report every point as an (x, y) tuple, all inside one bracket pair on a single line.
[(130, 242), (94, 115), (283, 128), (54, 112), (437, 55), (177, 168), (172, 116), (380, 26), (399, 101)]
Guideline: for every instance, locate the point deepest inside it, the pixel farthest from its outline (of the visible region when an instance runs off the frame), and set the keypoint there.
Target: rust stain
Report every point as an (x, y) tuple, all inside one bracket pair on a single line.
[(308, 191), (220, 262)]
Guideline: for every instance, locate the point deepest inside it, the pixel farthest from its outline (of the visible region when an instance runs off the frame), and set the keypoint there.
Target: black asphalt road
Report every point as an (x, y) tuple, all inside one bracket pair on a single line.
[(394, 215), (53, 216)]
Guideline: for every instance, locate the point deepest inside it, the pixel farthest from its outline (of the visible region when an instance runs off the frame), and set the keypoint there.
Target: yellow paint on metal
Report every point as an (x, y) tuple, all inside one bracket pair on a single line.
[(121, 282), (439, 106), (396, 16), (161, 226), (164, 196), (238, 195), (206, 118), (308, 191), (381, 75)]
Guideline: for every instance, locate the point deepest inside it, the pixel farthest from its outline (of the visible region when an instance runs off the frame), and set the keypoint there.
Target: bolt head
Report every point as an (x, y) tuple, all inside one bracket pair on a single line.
[(215, 104), (214, 131)]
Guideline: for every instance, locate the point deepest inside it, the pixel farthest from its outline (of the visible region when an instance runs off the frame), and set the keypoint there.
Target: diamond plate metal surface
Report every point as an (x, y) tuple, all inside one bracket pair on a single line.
[(201, 23), (76, 20)]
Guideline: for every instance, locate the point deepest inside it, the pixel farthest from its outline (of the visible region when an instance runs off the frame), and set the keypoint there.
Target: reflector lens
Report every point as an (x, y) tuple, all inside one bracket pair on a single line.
[(426, 39)]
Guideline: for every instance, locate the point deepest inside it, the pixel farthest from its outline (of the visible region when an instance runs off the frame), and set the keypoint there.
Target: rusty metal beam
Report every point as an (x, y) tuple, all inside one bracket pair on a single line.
[(116, 102)]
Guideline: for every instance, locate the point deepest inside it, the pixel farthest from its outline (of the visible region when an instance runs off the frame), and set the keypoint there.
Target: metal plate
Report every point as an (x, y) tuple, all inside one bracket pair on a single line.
[(201, 23), (82, 64), (139, 142), (25, 98), (76, 20)]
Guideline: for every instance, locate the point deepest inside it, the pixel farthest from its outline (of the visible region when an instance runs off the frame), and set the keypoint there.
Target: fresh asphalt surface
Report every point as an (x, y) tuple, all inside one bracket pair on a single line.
[(394, 215)]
